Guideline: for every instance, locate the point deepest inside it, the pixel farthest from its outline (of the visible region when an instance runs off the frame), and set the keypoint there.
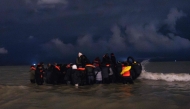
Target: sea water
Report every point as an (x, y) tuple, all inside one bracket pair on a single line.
[(162, 85)]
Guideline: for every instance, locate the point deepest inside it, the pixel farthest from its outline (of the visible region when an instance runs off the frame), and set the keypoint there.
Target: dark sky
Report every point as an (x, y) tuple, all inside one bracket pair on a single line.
[(56, 30)]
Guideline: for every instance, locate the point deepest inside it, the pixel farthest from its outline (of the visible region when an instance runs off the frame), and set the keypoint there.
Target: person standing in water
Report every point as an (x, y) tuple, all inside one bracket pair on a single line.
[(126, 74), (32, 74), (89, 68), (79, 60), (105, 73), (113, 59), (48, 73), (106, 58), (98, 74), (56, 73), (68, 78), (75, 75), (39, 73)]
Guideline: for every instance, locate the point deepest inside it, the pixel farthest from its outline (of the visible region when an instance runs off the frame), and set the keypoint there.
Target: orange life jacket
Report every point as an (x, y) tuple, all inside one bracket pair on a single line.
[(126, 71), (89, 65), (81, 69)]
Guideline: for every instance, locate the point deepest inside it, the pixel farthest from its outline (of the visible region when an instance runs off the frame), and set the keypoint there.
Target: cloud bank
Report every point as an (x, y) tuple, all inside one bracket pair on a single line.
[(141, 38), (173, 16), (42, 2), (46, 2), (62, 28)]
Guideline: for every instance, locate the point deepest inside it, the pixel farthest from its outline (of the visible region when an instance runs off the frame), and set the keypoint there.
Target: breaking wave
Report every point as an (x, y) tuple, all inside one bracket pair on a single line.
[(163, 76)]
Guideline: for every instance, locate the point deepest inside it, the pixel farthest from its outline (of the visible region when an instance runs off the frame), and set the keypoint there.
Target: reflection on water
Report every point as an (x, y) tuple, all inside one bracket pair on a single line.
[(143, 94), (113, 91)]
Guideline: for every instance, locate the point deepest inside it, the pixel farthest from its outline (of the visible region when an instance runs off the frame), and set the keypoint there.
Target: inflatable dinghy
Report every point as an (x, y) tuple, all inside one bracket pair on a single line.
[(136, 67)]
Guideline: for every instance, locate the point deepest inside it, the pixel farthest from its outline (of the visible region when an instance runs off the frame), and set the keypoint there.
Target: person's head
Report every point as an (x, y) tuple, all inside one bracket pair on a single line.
[(87, 61), (39, 66), (74, 66), (97, 58), (79, 54), (126, 63)]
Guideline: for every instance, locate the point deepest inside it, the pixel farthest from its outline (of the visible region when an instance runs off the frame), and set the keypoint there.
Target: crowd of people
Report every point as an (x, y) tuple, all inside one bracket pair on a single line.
[(83, 72)]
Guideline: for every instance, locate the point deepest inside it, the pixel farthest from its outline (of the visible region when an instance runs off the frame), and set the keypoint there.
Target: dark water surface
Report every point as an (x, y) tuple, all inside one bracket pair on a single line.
[(150, 91)]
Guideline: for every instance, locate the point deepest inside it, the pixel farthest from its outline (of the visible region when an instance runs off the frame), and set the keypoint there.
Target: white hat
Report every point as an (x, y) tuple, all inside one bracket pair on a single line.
[(74, 67), (79, 54)]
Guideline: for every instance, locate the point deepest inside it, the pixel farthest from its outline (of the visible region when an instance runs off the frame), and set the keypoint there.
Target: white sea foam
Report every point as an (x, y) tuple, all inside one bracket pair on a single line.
[(163, 76), (166, 77), (143, 63)]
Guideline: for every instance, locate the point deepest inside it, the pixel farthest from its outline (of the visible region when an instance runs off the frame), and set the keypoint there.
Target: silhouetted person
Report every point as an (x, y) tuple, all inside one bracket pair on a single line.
[(81, 60), (68, 78), (126, 74), (97, 61), (39, 75), (106, 59), (32, 74), (113, 59), (89, 68), (75, 76), (55, 73), (105, 73)]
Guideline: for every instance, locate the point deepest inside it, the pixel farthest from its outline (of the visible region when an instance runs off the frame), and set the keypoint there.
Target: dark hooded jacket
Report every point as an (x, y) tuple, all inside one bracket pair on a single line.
[(89, 68), (39, 75), (75, 75), (113, 59), (68, 73), (105, 71), (106, 59)]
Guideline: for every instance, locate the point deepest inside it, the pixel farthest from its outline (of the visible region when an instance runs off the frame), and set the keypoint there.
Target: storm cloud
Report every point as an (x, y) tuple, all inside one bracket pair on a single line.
[(62, 28), (135, 38)]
